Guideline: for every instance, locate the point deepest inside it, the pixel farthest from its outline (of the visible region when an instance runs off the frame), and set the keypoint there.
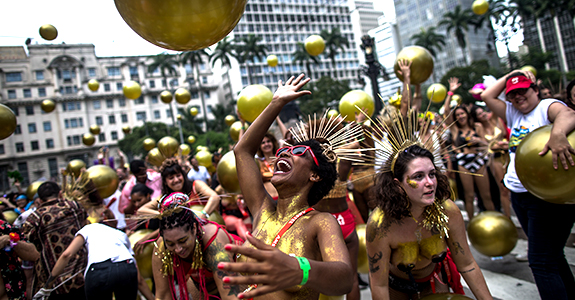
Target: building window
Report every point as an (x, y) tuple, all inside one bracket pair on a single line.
[(34, 145), (15, 110), (11, 94), (204, 79), (69, 139), (18, 129), (99, 121), (119, 86), (156, 114), (27, 93), (195, 95), (67, 75), (102, 137), (106, 87), (53, 167), (112, 119), (2, 149), (152, 83), (76, 139), (97, 104), (19, 147), (110, 103), (124, 118), (122, 102), (47, 126), (139, 100), (41, 92), (39, 75), (114, 135), (49, 143), (31, 127), (92, 72), (70, 106), (168, 113), (113, 71), (23, 169), (29, 110), (209, 108), (13, 76), (154, 99), (134, 70), (207, 93), (141, 116)]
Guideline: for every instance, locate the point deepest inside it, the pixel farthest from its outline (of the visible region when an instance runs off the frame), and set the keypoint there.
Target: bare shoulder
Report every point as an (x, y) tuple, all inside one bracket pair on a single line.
[(452, 211), (322, 220), (377, 226)]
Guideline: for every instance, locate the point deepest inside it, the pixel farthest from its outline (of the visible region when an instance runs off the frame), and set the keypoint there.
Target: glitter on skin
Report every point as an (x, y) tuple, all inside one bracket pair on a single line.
[(411, 183)]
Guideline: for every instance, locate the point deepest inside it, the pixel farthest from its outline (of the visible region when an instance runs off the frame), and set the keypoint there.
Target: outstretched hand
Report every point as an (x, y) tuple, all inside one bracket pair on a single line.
[(453, 84), (291, 89), (560, 148), (404, 68)]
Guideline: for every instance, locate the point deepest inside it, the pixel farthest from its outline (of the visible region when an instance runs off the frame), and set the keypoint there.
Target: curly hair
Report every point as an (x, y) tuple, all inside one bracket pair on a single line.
[(274, 141), (391, 197), (180, 218), (326, 171), (172, 167)]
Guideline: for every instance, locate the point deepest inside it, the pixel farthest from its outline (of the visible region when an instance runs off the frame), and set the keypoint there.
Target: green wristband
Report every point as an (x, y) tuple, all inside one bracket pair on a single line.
[(305, 267)]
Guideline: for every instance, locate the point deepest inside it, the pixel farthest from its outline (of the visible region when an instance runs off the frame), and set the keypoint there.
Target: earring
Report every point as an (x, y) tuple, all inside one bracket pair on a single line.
[(198, 261)]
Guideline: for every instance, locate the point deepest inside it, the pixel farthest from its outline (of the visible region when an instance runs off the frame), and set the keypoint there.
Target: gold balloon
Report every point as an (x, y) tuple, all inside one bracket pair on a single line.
[(132, 90), (252, 100), (191, 139), (362, 261), (88, 139), (48, 106), (446, 296), (536, 172), (166, 97), (48, 32), (314, 45), (480, 7), (492, 233), (457, 98), (453, 186), (214, 216), (182, 25), (105, 179), (93, 85), (179, 117), (183, 96), (149, 143), (202, 148), (7, 121), (168, 146), (155, 157), (95, 129), (530, 69), (33, 189), (436, 92), (144, 259), (185, 149), (75, 167), (10, 216), (194, 111), (272, 60), (421, 63), (227, 173), (204, 158), (332, 113), (235, 130), (230, 120), (126, 129), (395, 100), (352, 98)]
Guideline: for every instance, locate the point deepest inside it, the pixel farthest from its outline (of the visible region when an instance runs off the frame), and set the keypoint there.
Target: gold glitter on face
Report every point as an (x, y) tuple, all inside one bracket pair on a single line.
[(411, 183)]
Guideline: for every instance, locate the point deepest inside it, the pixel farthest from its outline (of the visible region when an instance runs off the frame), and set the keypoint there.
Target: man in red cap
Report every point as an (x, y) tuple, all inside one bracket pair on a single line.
[(547, 225)]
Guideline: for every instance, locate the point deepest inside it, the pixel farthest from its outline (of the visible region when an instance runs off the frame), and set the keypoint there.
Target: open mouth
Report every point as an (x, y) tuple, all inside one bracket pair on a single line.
[(282, 167), (430, 193)]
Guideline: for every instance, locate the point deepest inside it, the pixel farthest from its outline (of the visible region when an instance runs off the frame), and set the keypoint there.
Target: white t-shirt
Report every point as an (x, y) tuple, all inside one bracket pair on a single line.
[(201, 174), (115, 208), (104, 242), (520, 125)]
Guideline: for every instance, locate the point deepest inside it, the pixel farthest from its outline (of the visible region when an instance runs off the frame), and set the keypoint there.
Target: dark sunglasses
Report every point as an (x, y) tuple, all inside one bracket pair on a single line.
[(517, 92), (297, 151)]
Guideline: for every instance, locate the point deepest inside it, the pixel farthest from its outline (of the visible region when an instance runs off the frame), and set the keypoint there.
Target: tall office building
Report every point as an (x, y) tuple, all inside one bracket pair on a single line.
[(387, 45)]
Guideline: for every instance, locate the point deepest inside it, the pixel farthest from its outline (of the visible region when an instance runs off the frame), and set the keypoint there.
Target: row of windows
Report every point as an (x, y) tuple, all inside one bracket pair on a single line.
[(34, 145), (290, 8), (73, 140), (26, 93), (282, 18)]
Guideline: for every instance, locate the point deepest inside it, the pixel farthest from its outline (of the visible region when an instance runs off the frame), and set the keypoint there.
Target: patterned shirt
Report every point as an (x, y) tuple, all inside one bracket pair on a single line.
[(51, 228), (10, 268)]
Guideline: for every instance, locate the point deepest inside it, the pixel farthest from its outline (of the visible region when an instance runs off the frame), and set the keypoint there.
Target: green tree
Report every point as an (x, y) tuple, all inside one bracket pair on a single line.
[(468, 77), (195, 59), (325, 92), (334, 41), (249, 50), (304, 59), (220, 112), (536, 58), (458, 21), (430, 40), (224, 52), (165, 63), (132, 143)]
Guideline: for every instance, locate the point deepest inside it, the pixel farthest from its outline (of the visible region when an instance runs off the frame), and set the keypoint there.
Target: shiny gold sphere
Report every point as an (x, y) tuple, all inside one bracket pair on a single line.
[(492, 233), (230, 120), (445, 296), (214, 216), (252, 100), (182, 25), (436, 93), (166, 97), (105, 179), (33, 189), (132, 90), (395, 100), (144, 259), (126, 129), (7, 121), (48, 106), (95, 129), (457, 98), (314, 45), (10, 216), (235, 130), (348, 102), (480, 7), (191, 139), (227, 173), (272, 60), (530, 69), (179, 117), (168, 146), (204, 158), (88, 139), (536, 172), (332, 113), (202, 148), (149, 143), (362, 261), (185, 149), (75, 167), (194, 111), (48, 32), (183, 96), (93, 85), (155, 157), (421, 63)]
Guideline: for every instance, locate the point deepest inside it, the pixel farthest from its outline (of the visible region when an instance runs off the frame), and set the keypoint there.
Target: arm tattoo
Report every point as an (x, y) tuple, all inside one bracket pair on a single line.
[(466, 271), (216, 254), (373, 262), (374, 232), (458, 248)]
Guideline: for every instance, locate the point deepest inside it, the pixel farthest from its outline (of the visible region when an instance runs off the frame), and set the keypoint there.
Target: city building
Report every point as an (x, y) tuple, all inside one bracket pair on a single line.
[(387, 47)]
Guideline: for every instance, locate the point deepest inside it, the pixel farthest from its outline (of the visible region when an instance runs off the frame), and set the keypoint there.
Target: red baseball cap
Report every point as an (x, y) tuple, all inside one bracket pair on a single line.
[(517, 82)]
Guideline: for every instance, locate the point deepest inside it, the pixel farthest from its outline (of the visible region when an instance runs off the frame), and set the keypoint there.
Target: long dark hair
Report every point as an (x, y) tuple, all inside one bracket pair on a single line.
[(180, 218), (171, 168), (469, 119), (326, 171), (274, 141)]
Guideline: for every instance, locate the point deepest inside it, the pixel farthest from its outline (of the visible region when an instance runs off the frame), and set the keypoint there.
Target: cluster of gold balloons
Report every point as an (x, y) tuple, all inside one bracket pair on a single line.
[(492, 233), (436, 92), (314, 45), (132, 90), (7, 121), (352, 100), (252, 100), (421, 63), (93, 85), (48, 32)]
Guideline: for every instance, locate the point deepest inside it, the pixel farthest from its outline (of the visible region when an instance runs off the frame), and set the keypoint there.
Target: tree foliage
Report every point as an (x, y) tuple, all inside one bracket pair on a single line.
[(468, 77), (325, 93)]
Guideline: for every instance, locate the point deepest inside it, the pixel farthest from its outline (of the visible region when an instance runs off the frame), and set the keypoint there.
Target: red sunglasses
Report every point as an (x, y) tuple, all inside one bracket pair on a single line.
[(298, 150)]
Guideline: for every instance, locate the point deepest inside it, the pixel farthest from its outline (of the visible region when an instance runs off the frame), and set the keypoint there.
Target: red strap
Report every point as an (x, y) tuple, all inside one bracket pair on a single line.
[(111, 202), (289, 224)]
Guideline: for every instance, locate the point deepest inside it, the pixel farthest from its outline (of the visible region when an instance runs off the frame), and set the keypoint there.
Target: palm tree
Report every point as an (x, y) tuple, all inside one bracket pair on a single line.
[(430, 40), (304, 59), (499, 12), (334, 41), (224, 51), (250, 50), (195, 58), (165, 63), (220, 112), (458, 21)]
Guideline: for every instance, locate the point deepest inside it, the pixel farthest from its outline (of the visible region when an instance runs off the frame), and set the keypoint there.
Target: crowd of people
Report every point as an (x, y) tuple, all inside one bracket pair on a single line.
[(291, 232)]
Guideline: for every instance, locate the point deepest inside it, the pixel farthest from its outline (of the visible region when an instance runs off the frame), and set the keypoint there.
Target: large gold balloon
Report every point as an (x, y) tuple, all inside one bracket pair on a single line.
[(253, 100), (530, 69), (332, 113), (105, 179), (33, 189), (95, 129), (93, 85), (183, 96), (235, 130), (168, 146), (185, 149), (194, 111), (48, 106), (88, 139), (144, 259), (446, 296), (314, 45), (132, 90), (348, 102), (166, 97), (204, 158), (436, 93), (480, 7), (421, 63), (191, 139), (492, 233), (182, 25), (230, 120), (10, 216), (149, 143), (126, 129), (362, 261), (536, 172), (227, 173), (7, 121), (155, 157), (75, 167), (214, 216), (272, 60), (48, 32)]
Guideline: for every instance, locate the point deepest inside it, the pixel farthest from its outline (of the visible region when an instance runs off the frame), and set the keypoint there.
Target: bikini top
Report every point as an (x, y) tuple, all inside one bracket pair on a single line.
[(406, 256), (463, 139), (496, 133)]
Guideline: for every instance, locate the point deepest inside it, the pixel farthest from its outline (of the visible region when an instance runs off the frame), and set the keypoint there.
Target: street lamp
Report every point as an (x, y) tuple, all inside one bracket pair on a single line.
[(373, 69)]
